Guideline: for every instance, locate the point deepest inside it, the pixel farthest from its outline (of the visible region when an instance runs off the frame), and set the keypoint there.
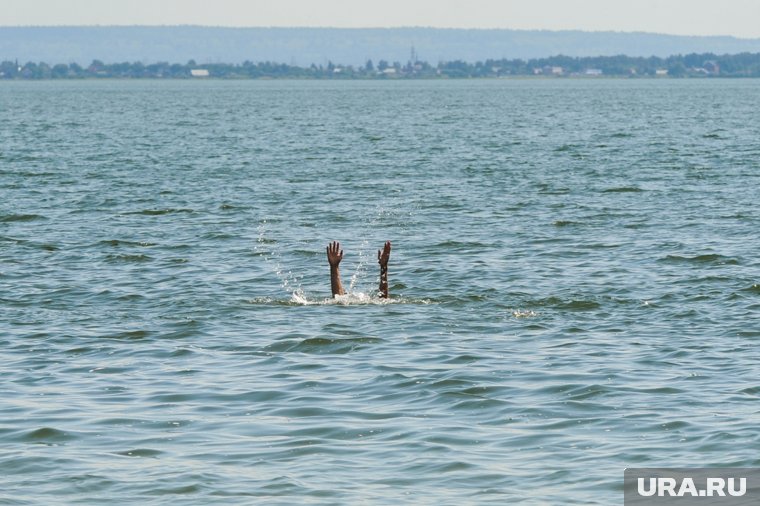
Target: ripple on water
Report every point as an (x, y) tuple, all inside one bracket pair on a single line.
[(126, 258), (46, 435), (623, 189), (11, 218), (128, 335), (710, 258), (566, 301), (567, 223), (117, 243), (161, 212), (322, 345), (571, 304), (140, 452)]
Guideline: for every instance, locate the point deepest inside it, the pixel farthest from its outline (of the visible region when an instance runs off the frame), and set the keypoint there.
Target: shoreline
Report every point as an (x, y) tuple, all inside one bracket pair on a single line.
[(383, 79)]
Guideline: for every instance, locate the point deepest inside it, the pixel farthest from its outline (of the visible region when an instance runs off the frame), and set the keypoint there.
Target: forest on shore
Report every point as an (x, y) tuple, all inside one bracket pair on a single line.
[(690, 65)]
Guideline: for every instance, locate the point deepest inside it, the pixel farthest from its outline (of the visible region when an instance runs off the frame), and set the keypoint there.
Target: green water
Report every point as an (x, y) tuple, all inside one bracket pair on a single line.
[(574, 289)]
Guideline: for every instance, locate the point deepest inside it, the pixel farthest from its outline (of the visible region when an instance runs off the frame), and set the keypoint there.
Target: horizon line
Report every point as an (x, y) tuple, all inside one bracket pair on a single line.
[(401, 27)]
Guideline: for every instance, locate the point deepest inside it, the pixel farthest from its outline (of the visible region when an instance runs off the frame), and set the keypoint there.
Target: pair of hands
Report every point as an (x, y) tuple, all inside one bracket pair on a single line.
[(335, 254)]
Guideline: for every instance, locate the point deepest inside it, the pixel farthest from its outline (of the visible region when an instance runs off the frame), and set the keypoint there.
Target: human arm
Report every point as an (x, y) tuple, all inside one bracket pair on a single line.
[(382, 258), (334, 256)]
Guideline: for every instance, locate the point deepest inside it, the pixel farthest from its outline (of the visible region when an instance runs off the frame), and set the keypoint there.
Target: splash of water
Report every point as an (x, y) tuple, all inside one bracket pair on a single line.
[(361, 268), (524, 313), (349, 299), (288, 281)]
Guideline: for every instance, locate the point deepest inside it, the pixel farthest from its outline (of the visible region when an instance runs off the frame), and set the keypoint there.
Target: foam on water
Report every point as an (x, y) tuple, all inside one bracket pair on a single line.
[(349, 299), (298, 298)]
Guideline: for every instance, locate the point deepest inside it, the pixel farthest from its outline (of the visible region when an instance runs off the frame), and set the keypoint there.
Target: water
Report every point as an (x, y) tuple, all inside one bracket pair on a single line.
[(575, 289)]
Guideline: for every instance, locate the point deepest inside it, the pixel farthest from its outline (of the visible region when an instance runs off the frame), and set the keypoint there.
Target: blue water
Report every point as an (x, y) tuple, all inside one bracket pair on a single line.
[(575, 289)]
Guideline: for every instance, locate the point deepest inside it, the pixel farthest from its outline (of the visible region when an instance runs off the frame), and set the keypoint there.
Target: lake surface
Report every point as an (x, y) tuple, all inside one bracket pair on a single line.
[(575, 289)]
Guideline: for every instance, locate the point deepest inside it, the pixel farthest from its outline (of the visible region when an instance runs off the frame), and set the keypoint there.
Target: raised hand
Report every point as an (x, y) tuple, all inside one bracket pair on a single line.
[(334, 254), (384, 255), (382, 258)]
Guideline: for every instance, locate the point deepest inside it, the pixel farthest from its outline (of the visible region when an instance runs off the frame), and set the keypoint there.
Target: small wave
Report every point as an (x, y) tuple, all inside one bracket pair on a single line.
[(37, 245), (623, 189), (713, 258), (109, 370), (566, 223), (584, 392), (9, 218), (129, 297), (140, 452), (462, 359), (129, 258), (338, 345), (130, 334), (118, 243), (231, 207), (546, 190), (567, 304), (32, 173), (220, 236), (159, 212), (47, 435), (460, 244)]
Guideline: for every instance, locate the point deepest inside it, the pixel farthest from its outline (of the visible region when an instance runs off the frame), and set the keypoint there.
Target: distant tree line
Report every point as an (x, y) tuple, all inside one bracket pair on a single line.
[(690, 65)]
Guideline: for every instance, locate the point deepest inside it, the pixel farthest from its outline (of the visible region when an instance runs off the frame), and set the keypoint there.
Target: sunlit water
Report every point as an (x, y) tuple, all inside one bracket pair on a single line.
[(574, 278)]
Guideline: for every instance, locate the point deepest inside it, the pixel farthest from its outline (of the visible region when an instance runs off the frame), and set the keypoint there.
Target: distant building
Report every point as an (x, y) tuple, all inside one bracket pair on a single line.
[(711, 67), (199, 73), (593, 72), (661, 72), (548, 71)]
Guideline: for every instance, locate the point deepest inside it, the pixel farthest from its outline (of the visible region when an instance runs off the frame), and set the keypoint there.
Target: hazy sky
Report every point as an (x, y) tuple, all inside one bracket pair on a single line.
[(740, 18)]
